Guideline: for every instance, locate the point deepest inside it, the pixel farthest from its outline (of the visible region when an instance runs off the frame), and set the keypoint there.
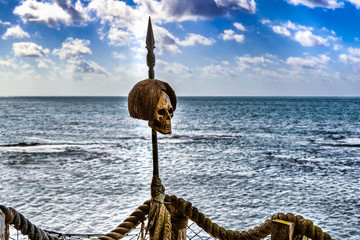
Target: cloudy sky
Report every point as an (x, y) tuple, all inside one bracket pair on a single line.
[(203, 47)]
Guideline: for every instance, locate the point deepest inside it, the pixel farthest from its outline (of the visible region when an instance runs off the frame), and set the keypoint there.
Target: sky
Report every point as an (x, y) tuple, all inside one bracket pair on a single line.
[(203, 47)]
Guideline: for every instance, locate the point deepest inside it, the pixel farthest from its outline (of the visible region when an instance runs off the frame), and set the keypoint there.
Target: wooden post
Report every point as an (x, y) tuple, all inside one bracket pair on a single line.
[(179, 223), (4, 228), (283, 230), (179, 226)]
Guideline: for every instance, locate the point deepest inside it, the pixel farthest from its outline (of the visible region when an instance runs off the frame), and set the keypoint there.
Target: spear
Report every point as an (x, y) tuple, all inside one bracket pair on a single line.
[(150, 45), (159, 223), (150, 61)]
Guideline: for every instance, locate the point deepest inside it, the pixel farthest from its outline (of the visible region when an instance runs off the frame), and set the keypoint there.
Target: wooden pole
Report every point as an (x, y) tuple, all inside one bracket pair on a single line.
[(150, 61), (155, 154), (4, 228), (179, 222), (283, 230)]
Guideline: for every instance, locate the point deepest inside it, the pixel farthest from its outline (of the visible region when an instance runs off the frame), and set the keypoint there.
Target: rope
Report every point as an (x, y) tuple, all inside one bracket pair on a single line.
[(35, 233), (129, 223), (69, 235), (159, 223), (303, 227), (24, 225)]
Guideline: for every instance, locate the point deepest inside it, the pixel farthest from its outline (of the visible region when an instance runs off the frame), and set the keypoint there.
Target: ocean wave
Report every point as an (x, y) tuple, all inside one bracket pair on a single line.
[(43, 157), (22, 144), (199, 138), (347, 142), (344, 145), (333, 135)]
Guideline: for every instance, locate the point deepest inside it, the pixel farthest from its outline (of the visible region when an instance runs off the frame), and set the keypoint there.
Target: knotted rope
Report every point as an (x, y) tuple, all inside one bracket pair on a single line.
[(159, 223), (303, 227), (12, 217), (139, 215), (24, 225)]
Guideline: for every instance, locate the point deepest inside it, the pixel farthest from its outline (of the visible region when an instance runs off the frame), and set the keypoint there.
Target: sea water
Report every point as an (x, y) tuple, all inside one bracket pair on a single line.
[(82, 164)]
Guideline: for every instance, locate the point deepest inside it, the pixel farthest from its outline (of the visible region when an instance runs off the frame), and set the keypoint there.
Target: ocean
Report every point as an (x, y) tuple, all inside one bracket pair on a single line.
[(82, 164)]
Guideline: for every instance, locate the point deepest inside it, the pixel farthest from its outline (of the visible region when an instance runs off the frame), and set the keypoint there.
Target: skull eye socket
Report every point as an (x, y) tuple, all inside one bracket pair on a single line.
[(161, 111), (171, 110)]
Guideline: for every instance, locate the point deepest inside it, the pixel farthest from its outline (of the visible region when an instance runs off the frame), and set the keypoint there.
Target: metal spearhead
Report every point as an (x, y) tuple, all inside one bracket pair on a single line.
[(150, 45)]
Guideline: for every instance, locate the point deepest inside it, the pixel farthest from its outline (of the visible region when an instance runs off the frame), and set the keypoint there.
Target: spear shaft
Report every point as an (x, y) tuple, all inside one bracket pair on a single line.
[(150, 61)]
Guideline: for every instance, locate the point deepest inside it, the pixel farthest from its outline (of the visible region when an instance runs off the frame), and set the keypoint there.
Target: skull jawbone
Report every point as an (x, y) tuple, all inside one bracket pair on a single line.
[(160, 127)]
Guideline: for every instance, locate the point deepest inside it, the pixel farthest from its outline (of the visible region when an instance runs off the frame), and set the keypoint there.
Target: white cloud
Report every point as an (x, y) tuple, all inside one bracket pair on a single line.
[(184, 10), (265, 21), (165, 41), (354, 51), (272, 69), (134, 25), (284, 28), (168, 43), (288, 25), (114, 14), (331, 4), (9, 63), (173, 69), (51, 13), (264, 74), (132, 72), (193, 39), (337, 47), (5, 23), (29, 49), (86, 66), (308, 39), (352, 57), (294, 26), (73, 49), (258, 68), (246, 62), (118, 55), (309, 62), (239, 26), (281, 30), (15, 32), (248, 5), (355, 2), (44, 62), (303, 34), (218, 70), (117, 13), (230, 35), (119, 37)]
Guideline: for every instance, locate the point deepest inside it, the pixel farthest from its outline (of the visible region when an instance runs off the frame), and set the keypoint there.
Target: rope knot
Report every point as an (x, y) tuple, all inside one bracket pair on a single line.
[(159, 223), (157, 190)]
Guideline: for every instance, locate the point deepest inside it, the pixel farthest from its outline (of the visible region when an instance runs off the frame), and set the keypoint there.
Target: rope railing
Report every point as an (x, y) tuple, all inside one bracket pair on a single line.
[(139, 215), (303, 227), (13, 217)]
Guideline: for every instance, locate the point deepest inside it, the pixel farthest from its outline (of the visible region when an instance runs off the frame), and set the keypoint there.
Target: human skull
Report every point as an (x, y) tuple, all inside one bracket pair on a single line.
[(164, 111)]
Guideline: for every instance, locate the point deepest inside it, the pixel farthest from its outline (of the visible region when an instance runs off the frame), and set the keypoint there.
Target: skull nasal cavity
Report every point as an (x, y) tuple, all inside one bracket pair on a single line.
[(161, 111)]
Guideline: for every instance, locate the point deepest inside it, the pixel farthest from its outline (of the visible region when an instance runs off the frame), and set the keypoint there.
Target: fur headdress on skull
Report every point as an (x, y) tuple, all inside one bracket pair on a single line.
[(144, 97)]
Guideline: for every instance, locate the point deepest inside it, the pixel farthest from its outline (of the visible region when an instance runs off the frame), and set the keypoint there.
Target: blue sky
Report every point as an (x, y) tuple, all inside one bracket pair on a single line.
[(203, 47)]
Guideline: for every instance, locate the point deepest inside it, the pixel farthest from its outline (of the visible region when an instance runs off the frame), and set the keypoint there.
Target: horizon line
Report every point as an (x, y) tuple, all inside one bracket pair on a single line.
[(185, 96)]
